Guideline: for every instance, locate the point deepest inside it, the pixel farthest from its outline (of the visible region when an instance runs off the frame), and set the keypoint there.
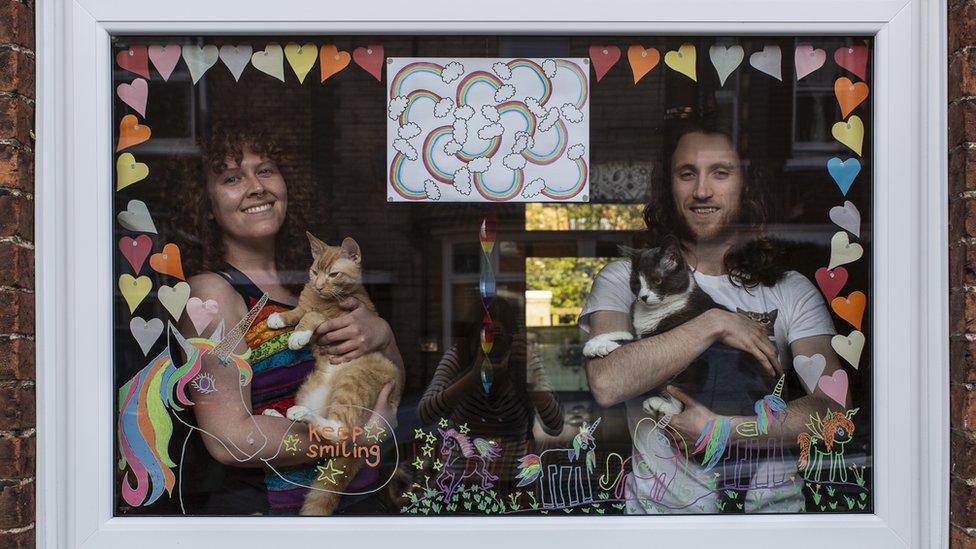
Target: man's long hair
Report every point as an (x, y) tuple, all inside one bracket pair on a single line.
[(755, 258)]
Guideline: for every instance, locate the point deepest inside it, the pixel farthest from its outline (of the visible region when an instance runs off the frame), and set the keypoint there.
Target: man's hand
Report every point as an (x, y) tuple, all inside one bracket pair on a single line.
[(692, 419), (739, 331), (353, 335)]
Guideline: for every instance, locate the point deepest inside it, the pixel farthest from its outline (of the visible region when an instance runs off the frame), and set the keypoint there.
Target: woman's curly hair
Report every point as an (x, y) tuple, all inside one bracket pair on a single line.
[(755, 258)]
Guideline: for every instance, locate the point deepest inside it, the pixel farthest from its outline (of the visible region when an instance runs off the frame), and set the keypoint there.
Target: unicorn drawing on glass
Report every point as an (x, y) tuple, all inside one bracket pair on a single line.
[(476, 453), (563, 474)]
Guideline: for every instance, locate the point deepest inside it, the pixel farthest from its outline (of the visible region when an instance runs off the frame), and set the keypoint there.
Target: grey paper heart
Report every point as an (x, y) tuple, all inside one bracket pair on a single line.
[(809, 369), (199, 60), (726, 60), (769, 61), (236, 58), (136, 218), (146, 333), (847, 217)]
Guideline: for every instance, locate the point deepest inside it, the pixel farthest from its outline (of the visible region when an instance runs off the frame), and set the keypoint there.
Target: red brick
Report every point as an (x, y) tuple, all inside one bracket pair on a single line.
[(962, 26), (17, 359), (17, 408), (962, 361), (16, 505), (16, 168), (962, 218), (962, 408), (18, 73), (21, 540), (16, 119), (960, 540), (962, 170), (18, 265), (963, 126), (962, 454), (17, 457), (17, 24), (962, 75), (16, 312), (17, 217)]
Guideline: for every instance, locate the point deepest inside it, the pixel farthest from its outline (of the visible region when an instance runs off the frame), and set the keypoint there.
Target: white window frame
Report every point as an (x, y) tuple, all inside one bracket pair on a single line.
[(75, 282)]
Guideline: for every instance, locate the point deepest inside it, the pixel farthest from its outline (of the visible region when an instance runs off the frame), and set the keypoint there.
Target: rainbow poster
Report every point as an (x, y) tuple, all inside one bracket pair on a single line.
[(488, 130)]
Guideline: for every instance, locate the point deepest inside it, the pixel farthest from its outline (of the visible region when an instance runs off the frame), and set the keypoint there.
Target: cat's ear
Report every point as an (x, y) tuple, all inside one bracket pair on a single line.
[(318, 247), (350, 250), (628, 252)]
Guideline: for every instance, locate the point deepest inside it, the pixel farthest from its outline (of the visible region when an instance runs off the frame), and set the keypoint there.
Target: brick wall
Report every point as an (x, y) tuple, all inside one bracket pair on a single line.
[(17, 420)]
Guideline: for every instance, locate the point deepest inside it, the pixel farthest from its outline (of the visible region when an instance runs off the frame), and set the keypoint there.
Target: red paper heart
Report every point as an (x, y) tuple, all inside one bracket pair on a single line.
[(831, 282), (135, 59), (853, 58), (136, 250), (371, 59), (603, 59)]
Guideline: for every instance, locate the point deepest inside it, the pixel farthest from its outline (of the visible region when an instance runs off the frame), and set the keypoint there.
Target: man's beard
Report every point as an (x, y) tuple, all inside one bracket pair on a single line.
[(729, 226)]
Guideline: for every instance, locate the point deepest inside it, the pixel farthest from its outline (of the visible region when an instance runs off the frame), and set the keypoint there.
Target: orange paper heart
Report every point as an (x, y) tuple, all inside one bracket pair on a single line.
[(168, 261), (642, 61), (849, 95), (851, 309), (331, 60), (131, 132)]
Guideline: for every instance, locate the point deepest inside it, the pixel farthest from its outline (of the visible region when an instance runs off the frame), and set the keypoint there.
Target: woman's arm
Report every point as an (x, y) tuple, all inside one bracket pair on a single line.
[(544, 399), (450, 383)]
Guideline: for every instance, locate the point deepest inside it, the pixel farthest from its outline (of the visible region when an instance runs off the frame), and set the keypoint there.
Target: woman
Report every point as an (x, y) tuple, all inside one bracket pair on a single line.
[(244, 243)]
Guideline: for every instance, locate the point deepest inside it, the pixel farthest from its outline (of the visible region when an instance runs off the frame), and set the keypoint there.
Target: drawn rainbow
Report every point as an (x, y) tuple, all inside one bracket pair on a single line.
[(543, 79), (432, 141), (580, 76), (472, 80), (575, 189), (396, 179), (557, 151), (514, 187), (396, 86), (415, 96)]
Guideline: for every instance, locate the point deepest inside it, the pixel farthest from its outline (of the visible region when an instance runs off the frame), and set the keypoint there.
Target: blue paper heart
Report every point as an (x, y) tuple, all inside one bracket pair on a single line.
[(843, 172)]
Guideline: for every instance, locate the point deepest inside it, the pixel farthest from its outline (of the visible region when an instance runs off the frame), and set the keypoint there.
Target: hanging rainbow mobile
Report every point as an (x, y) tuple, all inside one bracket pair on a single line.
[(486, 287)]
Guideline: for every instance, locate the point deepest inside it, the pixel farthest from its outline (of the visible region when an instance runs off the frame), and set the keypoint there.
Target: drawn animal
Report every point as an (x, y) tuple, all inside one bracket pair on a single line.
[(824, 445), (334, 395), (476, 453), (563, 474)]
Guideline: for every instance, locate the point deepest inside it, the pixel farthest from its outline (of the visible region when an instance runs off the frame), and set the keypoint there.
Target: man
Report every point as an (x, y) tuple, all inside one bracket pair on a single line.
[(709, 203)]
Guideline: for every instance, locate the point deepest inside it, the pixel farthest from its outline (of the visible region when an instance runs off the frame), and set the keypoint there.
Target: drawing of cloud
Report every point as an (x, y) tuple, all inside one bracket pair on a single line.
[(522, 141), (452, 71), (461, 131), (504, 93), (514, 161), (405, 148), (551, 118), (549, 68), (502, 70), (408, 131), (571, 113), (534, 107), (490, 113), (479, 165), (462, 181), (443, 107), (397, 104), (576, 151), (464, 112), (452, 147), (491, 130), (534, 187), (432, 190)]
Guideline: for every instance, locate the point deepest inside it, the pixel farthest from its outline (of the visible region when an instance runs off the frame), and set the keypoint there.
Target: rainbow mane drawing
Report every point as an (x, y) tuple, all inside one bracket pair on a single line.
[(563, 474)]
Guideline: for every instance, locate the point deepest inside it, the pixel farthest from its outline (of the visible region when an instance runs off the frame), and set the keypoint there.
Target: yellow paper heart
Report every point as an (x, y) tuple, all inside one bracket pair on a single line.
[(850, 133), (843, 251), (683, 61), (849, 347), (129, 171), (301, 58), (134, 290)]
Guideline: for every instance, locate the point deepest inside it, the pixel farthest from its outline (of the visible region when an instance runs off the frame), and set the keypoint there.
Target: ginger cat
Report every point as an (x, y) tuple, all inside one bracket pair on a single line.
[(334, 395)]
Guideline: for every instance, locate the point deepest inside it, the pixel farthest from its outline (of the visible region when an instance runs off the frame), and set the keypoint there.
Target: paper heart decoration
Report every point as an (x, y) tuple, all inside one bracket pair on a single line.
[(236, 58), (726, 59), (201, 313), (849, 347), (851, 308), (270, 61), (134, 290), (301, 58), (835, 386), (850, 133), (843, 251), (165, 58), (642, 61), (849, 95), (136, 218), (844, 172), (199, 60), (808, 59), (146, 333), (847, 217), (331, 60), (683, 60), (809, 369), (135, 94), (174, 298), (853, 58), (168, 261), (370, 59), (768, 61), (136, 250), (131, 132), (603, 59), (128, 171), (831, 281), (134, 60)]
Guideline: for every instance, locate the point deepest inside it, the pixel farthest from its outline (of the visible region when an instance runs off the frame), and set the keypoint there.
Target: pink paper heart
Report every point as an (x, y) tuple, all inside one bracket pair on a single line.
[(371, 59), (808, 59), (831, 281), (136, 250), (135, 95), (201, 313), (603, 59), (134, 60), (164, 58), (854, 58), (835, 386)]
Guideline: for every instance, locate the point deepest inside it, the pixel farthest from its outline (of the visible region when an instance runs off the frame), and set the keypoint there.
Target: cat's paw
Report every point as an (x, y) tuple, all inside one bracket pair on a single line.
[(275, 322), (271, 412), (297, 340), (667, 405), (603, 344), (297, 413)]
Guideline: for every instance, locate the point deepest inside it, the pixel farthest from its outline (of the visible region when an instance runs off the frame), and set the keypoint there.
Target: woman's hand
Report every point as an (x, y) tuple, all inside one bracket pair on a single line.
[(692, 419), (383, 410), (353, 335), (741, 332)]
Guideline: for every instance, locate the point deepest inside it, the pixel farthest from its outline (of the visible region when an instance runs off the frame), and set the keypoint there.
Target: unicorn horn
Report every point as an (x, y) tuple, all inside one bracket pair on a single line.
[(595, 423), (778, 390)]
